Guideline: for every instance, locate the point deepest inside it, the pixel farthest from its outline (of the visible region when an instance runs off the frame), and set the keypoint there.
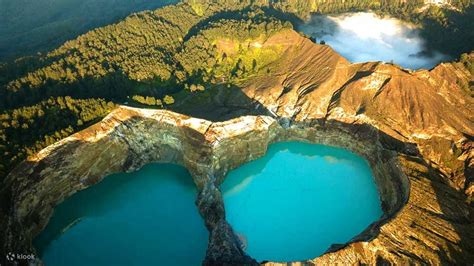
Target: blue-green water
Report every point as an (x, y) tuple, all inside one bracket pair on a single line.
[(143, 218), (298, 199)]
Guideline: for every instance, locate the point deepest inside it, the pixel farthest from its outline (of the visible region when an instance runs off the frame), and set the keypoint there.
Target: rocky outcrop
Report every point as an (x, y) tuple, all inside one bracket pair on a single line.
[(312, 82)]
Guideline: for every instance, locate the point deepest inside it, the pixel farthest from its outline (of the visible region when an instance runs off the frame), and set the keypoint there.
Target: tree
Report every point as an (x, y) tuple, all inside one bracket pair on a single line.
[(139, 99), (150, 100), (169, 100), (159, 102)]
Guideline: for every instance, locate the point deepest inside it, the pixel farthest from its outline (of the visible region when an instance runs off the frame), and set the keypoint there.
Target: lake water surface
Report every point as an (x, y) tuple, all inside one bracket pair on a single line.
[(291, 204), (143, 218), (362, 37), (298, 199)]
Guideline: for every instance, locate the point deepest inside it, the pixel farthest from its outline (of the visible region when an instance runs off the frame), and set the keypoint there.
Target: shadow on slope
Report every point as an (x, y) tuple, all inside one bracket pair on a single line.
[(219, 103)]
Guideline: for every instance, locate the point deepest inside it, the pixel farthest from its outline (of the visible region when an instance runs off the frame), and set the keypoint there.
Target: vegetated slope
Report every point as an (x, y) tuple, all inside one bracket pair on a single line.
[(151, 54), (447, 28), (28, 27), (141, 49)]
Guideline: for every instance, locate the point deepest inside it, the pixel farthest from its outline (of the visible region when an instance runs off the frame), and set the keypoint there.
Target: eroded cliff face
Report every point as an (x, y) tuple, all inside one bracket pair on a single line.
[(425, 219), (432, 108), (312, 81)]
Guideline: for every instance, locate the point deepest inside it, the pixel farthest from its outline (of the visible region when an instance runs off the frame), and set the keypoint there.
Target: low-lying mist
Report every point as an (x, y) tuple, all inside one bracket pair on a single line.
[(362, 37)]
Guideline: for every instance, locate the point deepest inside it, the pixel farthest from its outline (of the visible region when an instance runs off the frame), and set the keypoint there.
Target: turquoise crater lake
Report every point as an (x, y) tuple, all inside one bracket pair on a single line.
[(298, 199), (143, 218)]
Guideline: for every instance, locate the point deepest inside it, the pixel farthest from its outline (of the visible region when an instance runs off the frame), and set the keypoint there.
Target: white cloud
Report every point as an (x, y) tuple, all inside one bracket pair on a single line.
[(362, 37)]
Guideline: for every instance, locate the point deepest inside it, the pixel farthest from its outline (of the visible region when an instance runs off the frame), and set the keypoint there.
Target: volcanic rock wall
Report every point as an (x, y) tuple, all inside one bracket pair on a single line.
[(425, 220)]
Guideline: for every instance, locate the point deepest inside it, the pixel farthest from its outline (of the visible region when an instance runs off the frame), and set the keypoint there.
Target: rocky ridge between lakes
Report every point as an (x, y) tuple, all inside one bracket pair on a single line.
[(426, 220)]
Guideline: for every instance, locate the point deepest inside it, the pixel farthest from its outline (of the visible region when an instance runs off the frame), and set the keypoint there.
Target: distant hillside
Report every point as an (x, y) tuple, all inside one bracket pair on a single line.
[(29, 26)]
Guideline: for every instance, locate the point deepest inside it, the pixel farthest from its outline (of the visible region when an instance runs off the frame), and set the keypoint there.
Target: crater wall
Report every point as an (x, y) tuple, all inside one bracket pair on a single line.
[(414, 213)]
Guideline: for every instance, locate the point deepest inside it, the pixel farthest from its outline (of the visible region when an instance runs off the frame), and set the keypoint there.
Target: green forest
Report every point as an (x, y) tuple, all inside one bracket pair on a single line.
[(148, 58)]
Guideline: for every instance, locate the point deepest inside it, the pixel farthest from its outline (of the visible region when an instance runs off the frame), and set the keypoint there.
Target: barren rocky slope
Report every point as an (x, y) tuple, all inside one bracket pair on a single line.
[(431, 108), (415, 129)]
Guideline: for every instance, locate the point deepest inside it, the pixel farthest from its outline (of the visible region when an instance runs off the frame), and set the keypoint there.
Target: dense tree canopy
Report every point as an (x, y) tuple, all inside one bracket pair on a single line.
[(26, 130)]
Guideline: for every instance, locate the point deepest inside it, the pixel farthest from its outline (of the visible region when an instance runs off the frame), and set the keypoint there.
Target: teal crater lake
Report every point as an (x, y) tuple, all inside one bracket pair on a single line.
[(299, 199), (143, 218)]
